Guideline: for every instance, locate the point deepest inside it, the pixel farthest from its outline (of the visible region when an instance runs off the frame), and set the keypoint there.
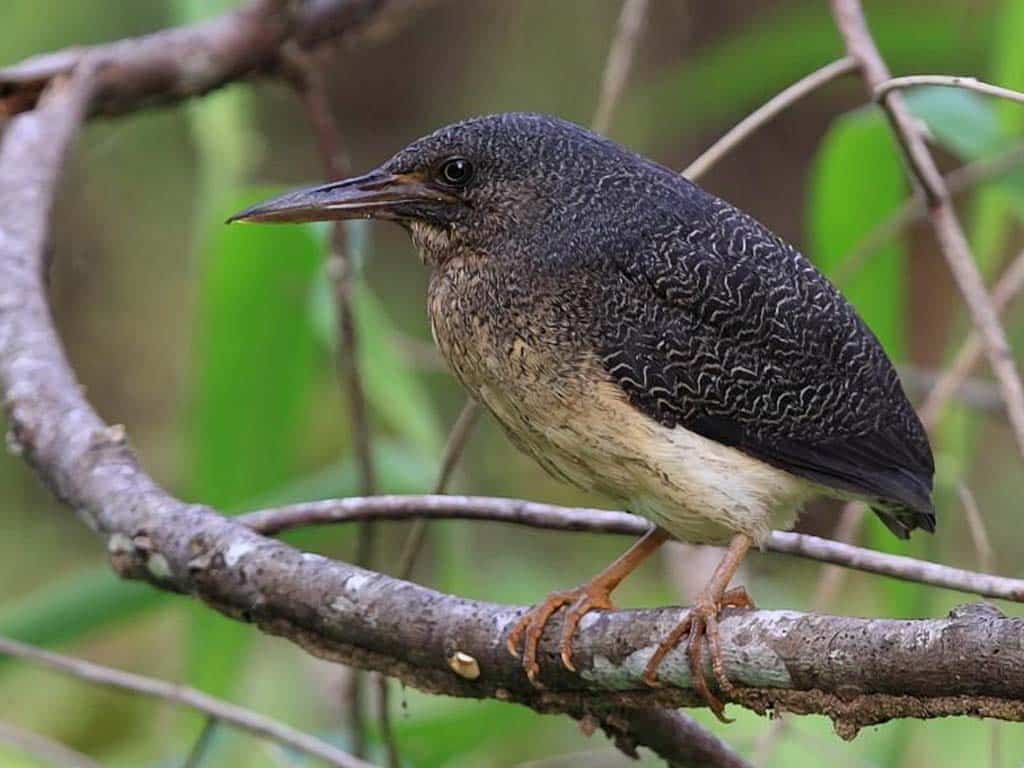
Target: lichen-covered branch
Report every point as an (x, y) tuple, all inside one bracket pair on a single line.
[(857, 671)]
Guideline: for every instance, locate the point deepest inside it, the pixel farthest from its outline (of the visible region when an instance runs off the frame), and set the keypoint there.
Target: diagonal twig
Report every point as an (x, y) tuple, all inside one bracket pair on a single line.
[(619, 62), (309, 82), (914, 209), (184, 696), (1009, 285), (766, 112), (861, 46), (459, 436), (43, 749)]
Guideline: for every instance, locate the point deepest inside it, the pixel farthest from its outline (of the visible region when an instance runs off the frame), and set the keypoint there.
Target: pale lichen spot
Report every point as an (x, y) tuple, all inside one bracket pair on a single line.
[(119, 544), (342, 603), (158, 566), (237, 551), (356, 581)]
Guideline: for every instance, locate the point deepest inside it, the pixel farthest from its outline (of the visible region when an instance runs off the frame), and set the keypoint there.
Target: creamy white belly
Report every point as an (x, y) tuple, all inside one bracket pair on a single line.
[(698, 490)]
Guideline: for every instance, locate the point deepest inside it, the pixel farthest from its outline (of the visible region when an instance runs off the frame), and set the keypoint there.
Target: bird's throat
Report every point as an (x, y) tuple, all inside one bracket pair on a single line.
[(434, 243)]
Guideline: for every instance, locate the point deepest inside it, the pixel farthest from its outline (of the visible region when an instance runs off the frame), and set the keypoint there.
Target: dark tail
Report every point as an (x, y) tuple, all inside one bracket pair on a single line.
[(902, 520)]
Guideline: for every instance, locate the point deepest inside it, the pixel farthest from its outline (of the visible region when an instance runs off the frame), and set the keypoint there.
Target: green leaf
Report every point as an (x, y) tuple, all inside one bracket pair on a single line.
[(962, 121), (858, 181), (772, 50), (254, 361), (255, 358)]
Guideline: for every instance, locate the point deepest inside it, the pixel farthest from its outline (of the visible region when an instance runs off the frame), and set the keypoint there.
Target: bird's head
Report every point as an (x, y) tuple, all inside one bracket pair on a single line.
[(469, 184)]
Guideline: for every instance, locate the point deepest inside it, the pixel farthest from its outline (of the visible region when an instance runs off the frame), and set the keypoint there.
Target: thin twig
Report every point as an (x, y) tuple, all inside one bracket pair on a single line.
[(1009, 285), (309, 82), (184, 696), (619, 62), (43, 749), (853, 28), (462, 430), (986, 561), (197, 754), (950, 81), (976, 393), (387, 731), (551, 517), (766, 112), (979, 534), (830, 582), (914, 209)]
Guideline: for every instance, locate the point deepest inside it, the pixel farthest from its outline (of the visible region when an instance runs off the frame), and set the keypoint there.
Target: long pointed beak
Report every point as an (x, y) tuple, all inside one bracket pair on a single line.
[(374, 195)]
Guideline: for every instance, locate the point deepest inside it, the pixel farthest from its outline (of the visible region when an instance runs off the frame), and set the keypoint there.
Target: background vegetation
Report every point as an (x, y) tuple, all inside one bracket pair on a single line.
[(214, 347)]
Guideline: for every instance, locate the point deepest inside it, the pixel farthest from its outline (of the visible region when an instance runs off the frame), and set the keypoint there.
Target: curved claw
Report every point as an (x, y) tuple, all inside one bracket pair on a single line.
[(588, 600), (530, 627), (701, 622)]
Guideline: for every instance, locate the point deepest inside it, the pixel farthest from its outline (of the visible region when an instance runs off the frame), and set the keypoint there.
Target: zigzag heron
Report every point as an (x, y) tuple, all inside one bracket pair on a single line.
[(645, 340)]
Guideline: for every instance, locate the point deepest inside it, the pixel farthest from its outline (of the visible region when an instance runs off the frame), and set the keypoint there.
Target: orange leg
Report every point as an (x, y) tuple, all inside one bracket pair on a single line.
[(702, 621), (594, 595)]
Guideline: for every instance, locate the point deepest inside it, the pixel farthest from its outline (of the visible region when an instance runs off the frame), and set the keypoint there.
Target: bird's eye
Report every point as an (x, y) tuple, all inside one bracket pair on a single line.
[(457, 171)]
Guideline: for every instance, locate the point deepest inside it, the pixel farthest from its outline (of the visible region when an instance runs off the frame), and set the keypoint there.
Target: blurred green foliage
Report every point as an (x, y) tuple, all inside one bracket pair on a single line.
[(215, 346)]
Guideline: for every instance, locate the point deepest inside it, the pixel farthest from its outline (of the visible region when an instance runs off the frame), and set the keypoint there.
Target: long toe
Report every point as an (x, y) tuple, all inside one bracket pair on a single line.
[(588, 600), (666, 645), (530, 628), (707, 626)]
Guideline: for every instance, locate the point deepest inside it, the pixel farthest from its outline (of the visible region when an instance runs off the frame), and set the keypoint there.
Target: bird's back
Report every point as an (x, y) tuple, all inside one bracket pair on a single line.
[(710, 322)]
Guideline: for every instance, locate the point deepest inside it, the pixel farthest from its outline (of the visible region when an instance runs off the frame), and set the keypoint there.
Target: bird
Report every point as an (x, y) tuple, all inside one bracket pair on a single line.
[(645, 340)]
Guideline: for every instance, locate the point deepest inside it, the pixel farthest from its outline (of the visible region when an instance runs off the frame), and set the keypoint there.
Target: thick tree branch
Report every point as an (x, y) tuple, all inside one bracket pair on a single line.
[(798, 662), (187, 61)]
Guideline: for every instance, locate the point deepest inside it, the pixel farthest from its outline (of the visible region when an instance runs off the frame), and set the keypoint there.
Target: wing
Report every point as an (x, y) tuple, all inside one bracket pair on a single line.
[(723, 328)]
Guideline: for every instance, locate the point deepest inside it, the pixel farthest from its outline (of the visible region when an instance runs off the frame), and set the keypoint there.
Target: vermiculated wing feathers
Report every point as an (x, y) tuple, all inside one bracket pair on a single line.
[(730, 332)]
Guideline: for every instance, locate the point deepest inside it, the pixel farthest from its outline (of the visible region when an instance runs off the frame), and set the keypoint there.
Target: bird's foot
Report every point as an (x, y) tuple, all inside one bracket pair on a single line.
[(701, 622), (594, 595)]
